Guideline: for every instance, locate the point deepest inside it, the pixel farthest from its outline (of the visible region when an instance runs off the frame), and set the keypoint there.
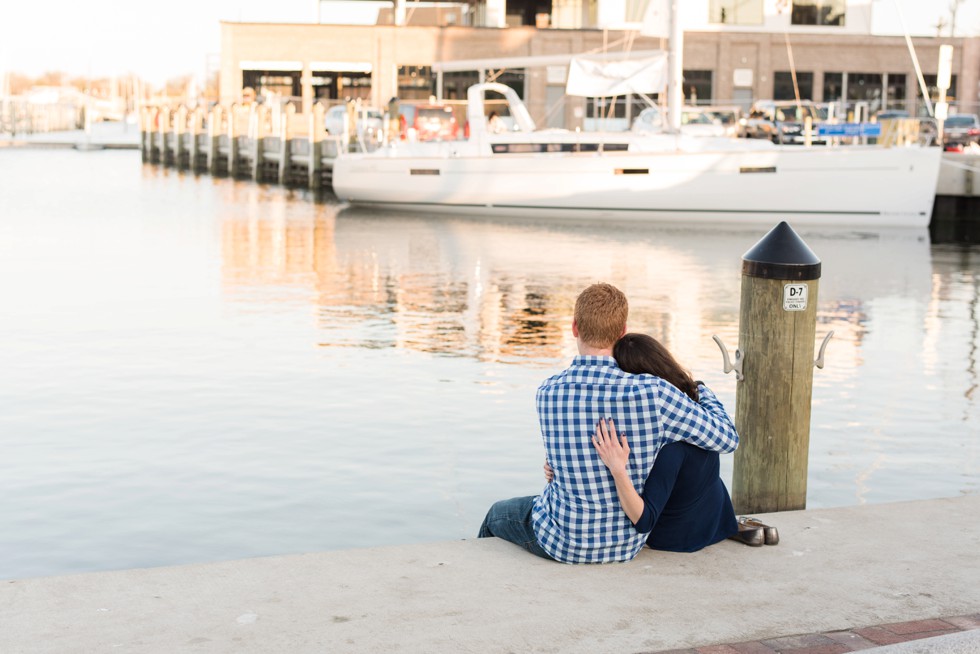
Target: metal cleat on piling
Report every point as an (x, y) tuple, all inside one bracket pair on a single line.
[(823, 346), (728, 366)]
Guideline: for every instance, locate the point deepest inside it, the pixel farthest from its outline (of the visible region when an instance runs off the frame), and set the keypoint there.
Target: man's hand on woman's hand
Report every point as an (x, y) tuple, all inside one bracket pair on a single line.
[(614, 452)]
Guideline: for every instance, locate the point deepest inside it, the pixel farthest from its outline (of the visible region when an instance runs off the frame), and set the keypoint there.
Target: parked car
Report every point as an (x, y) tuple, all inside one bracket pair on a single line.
[(694, 122), (369, 123), (891, 114), (783, 121), (961, 129), (727, 116)]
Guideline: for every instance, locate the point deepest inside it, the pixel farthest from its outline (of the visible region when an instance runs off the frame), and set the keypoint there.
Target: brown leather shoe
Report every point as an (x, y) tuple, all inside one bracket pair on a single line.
[(749, 535), (771, 534)]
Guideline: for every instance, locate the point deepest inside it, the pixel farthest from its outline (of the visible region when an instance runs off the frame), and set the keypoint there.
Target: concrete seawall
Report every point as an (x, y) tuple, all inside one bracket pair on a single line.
[(834, 569)]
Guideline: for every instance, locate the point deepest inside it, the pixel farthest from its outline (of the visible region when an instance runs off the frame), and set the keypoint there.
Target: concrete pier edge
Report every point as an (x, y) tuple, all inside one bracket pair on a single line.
[(834, 569)]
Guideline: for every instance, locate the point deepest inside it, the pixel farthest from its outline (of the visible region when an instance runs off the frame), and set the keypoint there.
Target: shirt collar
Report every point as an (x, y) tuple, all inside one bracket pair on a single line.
[(591, 360)]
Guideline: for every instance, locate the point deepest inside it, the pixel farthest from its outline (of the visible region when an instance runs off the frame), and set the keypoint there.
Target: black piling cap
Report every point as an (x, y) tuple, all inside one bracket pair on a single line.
[(781, 254)]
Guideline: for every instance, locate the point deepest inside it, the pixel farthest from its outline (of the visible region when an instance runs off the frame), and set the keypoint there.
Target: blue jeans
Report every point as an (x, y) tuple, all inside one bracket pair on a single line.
[(511, 520)]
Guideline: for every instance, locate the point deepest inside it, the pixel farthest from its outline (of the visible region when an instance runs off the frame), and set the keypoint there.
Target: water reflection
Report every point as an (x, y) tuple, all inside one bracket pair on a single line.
[(504, 291), (954, 312)]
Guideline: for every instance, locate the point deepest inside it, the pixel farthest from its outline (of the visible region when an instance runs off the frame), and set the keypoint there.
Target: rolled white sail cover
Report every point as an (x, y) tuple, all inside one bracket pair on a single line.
[(593, 78)]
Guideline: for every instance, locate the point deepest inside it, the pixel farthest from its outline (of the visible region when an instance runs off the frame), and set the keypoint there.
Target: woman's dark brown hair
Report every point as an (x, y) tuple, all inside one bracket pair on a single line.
[(639, 354)]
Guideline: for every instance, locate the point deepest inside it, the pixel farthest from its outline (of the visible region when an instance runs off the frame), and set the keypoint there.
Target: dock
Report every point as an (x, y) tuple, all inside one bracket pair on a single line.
[(956, 212), (114, 135), (258, 142), (840, 580)]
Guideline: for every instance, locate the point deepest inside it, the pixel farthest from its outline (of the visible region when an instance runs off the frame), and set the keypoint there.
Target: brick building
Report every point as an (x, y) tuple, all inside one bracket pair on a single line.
[(734, 52)]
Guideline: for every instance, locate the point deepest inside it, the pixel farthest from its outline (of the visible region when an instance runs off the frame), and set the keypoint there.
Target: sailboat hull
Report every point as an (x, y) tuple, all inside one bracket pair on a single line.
[(870, 186)]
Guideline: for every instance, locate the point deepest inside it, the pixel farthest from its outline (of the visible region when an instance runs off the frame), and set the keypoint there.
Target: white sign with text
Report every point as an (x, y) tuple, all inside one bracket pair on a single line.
[(794, 297)]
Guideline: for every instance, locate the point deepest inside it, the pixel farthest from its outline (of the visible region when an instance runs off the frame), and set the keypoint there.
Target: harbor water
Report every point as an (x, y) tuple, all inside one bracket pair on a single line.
[(196, 369)]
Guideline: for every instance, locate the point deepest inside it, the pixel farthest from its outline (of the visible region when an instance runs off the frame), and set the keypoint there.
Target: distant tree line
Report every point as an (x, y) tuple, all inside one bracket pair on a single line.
[(127, 86)]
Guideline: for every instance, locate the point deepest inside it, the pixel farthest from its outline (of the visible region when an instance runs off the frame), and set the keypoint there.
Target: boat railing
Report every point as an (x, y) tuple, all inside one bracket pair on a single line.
[(908, 131)]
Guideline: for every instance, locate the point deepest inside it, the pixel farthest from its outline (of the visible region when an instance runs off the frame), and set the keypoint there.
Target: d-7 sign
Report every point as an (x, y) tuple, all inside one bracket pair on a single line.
[(794, 297)]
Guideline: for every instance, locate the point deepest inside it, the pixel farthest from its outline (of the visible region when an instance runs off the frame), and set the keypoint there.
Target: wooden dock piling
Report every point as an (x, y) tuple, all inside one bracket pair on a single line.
[(255, 141), (315, 179), (179, 132), (215, 124), (777, 323)]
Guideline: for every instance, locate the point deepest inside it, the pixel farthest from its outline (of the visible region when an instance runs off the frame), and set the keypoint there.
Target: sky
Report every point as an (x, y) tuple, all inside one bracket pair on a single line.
[(164, 40)]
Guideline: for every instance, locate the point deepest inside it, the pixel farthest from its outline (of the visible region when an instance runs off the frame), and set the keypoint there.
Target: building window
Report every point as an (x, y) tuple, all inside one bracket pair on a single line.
[(339, 85), (512, 77), (527, 12), (865, 87), (697, 87), (574, 14), (455, 84), (782, 85), (896, 91), (266, 83), (735, 12), (819, 12), (934, 90), (415, 82), (833, 87)]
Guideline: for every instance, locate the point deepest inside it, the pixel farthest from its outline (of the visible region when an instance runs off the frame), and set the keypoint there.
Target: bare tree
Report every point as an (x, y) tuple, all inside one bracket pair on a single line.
[(954, 6)]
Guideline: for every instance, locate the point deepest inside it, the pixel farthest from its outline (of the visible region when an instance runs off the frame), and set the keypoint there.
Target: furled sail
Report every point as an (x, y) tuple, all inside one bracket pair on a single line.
[(593, 78)]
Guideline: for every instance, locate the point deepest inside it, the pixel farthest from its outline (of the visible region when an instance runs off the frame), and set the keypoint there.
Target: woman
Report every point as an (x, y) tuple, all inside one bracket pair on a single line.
[(685, 505)]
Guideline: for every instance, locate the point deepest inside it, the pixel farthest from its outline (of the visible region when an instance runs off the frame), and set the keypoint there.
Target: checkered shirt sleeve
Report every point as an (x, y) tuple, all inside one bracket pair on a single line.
[(578, 517)]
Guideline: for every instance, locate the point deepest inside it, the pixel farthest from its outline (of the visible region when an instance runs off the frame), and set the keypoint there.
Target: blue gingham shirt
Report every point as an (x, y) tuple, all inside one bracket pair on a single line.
[(578, 517)]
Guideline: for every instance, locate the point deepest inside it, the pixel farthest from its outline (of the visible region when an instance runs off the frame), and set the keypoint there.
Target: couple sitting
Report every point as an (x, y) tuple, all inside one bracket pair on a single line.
[(623, 416)]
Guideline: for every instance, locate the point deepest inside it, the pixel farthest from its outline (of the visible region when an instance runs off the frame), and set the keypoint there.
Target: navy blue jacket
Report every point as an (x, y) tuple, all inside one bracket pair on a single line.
[(686, 504)]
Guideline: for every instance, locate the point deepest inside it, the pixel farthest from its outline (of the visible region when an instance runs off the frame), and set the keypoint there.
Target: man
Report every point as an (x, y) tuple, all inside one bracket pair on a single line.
[(578, 517)]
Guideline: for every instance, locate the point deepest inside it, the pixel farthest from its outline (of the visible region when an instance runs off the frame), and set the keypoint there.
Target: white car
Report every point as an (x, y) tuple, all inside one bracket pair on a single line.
[(694, 122), (370, 122)]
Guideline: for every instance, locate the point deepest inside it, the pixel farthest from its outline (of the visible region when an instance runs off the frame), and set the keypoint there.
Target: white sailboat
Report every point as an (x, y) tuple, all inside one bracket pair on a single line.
[(626, 175)]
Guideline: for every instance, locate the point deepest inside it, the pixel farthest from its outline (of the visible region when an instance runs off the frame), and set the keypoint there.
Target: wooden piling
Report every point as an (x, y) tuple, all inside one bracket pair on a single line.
[(256, 131), (144, 131), (166, 154), (198, 153), (214, 139), (156, 154), (233, 169), (285, 162), (180, 128), (780, 277), (316, 139)]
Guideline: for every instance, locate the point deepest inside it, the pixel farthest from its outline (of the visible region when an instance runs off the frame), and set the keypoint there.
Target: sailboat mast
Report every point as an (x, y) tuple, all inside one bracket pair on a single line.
[(675, 68)]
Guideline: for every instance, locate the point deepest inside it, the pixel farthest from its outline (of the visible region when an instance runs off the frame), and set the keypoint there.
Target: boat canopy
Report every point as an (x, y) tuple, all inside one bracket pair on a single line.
[(475, 98), (596, 78)]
